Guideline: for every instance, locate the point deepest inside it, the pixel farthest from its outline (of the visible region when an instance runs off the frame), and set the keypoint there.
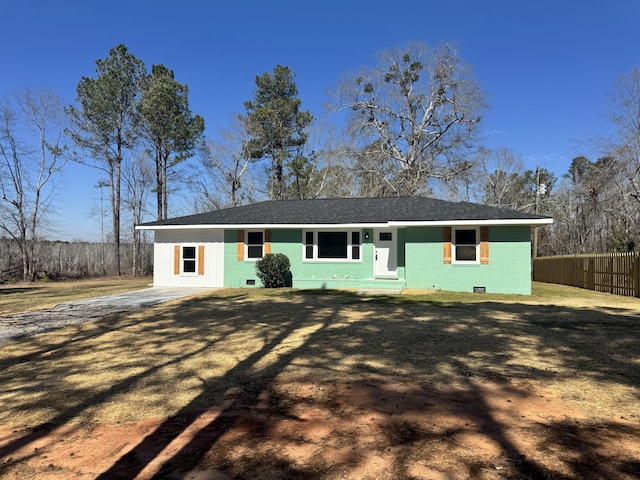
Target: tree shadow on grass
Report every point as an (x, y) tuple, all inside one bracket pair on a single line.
[(345, 343), (17, 290)]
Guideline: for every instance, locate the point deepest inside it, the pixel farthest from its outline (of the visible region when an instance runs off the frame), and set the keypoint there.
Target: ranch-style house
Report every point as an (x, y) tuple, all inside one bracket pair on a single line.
[(352, 243)]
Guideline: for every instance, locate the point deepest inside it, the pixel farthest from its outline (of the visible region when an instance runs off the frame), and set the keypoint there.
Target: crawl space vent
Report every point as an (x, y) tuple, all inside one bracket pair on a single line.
[(479, 289)]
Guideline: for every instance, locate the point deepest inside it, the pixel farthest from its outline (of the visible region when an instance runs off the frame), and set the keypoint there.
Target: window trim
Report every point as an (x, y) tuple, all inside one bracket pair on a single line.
[(247, 245), (454, 246), (184, 273), (315, 248)]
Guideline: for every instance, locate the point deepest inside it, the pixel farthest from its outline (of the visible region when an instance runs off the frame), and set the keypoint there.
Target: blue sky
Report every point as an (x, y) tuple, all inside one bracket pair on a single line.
[(546, 66)]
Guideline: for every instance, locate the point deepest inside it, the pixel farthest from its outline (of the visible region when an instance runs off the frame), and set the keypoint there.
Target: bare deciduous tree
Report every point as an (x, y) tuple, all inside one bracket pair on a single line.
[(224, 177), (139, 180), (32, 153), (624, 113), (418, 111), (501, 176)]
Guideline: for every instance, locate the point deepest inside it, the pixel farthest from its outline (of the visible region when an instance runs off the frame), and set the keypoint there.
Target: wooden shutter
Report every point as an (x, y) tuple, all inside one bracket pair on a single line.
[(240, 245), (200, 259), (446, 243), (484, 245), (176, 260), (267, 242)]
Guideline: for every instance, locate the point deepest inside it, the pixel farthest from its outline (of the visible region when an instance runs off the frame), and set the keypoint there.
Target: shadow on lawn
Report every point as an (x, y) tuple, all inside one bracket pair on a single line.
[(18, 290), (342, 343)]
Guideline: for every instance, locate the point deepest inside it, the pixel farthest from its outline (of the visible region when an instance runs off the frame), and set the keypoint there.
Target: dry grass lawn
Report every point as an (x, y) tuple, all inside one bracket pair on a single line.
[(27, 297), (294, 384)]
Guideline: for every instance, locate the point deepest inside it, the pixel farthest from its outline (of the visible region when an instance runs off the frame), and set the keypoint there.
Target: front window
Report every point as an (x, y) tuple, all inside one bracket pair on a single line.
[(355, 245), (309, 248), (331, 245), (255, 245), (465, 245), (189, 259)]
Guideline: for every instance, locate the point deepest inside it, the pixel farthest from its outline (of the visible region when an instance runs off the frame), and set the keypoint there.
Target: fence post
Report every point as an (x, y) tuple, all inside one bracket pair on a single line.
[(636, 274)]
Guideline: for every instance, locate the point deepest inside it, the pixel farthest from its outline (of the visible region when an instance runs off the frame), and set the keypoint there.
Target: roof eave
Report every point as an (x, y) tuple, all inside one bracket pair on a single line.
[(390, 224), (462, 223), (282, 226)]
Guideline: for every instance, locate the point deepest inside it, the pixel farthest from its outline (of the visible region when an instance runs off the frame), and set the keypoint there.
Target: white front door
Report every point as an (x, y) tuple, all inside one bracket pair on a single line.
[(386, 253)]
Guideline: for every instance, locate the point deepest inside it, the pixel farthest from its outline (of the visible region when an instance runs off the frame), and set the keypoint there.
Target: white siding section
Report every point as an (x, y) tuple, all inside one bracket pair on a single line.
[(163, 257)]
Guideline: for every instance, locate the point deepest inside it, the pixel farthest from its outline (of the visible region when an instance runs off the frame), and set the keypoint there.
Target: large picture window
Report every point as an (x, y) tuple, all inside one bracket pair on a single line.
[(331, 245), (466, 245)]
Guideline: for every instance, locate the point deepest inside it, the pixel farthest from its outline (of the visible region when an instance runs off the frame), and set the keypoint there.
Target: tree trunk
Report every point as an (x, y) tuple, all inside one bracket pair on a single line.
[(116, 221), (114, 182), (165, 200), (159, 182), (25, 261)]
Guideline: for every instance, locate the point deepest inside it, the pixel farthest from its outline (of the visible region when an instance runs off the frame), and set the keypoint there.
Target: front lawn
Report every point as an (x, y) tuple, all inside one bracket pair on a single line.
[(26, 297), (294, 384)]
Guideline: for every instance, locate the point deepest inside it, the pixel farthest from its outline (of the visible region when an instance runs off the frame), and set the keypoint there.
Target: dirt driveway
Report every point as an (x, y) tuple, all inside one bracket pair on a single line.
[(70, 313)]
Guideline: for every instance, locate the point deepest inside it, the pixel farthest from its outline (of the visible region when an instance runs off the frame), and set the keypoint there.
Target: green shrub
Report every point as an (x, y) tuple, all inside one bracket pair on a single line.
[(273, 270)]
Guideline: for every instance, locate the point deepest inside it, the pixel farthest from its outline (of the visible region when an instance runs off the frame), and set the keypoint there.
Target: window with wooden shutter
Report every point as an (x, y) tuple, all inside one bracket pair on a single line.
[(466, 245), (484, 245), (446, 243), (240, 245)]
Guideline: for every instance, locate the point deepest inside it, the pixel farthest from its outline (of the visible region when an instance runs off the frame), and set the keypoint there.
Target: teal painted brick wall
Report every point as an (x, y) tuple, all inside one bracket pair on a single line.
[(237, 272), (420, 262), (289, 242), (508, 271)]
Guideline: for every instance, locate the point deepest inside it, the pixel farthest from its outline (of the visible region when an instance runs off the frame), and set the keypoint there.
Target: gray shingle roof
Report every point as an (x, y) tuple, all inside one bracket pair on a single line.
[(338, 211)]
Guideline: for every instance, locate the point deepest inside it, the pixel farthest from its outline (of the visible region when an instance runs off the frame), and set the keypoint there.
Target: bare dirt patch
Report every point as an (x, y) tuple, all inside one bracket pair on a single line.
[(388, 428), (332, 386)]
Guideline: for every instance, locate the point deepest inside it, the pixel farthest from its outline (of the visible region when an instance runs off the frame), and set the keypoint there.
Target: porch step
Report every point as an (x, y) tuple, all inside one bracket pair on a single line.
[(392, 284), (379, 291), (365, 285)]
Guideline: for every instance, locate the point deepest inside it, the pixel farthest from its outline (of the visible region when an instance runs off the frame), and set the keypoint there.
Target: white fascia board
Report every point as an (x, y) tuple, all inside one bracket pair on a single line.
[(328, 226), (464, 223), (278, 226)]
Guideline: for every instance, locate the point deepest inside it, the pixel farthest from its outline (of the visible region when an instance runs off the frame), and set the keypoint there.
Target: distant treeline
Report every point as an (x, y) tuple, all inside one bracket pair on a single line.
[(56, 260)]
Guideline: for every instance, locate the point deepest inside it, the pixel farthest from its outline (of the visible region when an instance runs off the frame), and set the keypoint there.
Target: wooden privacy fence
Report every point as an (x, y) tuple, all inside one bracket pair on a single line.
[(617, 273)]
